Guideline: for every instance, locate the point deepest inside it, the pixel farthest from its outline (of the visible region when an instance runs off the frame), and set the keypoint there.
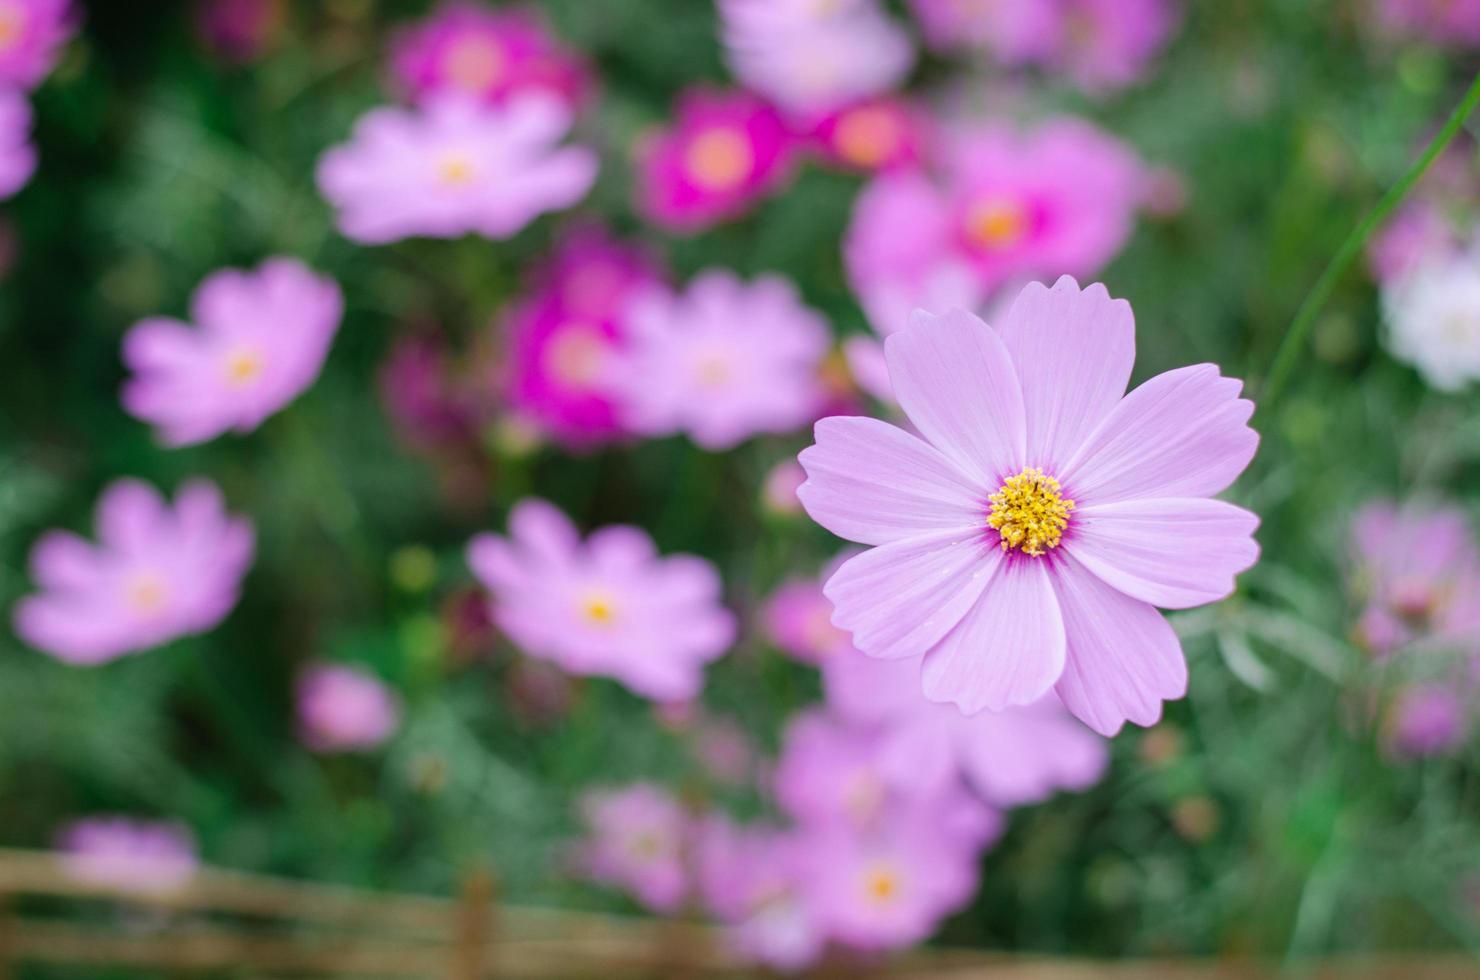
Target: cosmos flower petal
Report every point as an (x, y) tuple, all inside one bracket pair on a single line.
[(543, 530), (1073, 350), (1007, 650), (871, 482), (1172, 553), (1024, 755), (899, 599), (1184, 433), (956, 382), (129, 512), (1124, 659), (63, 560)]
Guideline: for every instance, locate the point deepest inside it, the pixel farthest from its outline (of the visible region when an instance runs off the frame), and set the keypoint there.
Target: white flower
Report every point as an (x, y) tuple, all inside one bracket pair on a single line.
[(1433, 320)]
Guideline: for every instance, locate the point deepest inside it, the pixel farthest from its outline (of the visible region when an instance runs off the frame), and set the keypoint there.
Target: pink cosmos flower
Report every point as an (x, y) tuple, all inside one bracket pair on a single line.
[(17, 155), (342, 708), (754, 880), (241, 31), (723, 152), (1006, 207), (430, 403), (454, 167), (564, 336), (1011, 758), (128, 855), (158, 573), (606, 606), (723, 361), (1426, 720), (637, 839), (1453, 23), (1428, 591), (1016, 32), (812, 57), (490, 55), (876, 134), (259, 341), (797, 618), (1418, 234), (779, 489), (1024, 541), (32, 33)]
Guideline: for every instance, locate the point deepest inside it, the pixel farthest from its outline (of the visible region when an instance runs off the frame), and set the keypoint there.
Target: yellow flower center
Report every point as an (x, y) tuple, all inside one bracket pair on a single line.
[(475, 64), (881, 883), (12, 25), (598, 609), (456, 170), (1030, 512), (575, 357), (243, 366), (719, 159), (713, 370), (996, 223), (146, 593), (646, 845), (867, 137)]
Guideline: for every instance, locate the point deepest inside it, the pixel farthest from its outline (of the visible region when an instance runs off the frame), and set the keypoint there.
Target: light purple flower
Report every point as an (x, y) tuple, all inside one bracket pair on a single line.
[(127, 855), (157, 574), (32, 33), (797, 618), (1417, 235), (723, 361), (813, 58), (259, 340), (1024, 543), (637, 838), (606, 606), (1418, 572), (754, 880), (779, 488), (342, 708), (17, 155), (1452, 23), (455, 167), (1426, 720)]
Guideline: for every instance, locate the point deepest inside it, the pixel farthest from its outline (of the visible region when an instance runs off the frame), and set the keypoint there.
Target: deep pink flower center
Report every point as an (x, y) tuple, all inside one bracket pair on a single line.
[(867, 137), (12, 24), (720, 159)]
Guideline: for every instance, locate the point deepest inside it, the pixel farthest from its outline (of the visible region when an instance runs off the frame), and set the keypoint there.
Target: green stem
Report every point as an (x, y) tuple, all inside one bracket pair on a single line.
[(1305, 318)]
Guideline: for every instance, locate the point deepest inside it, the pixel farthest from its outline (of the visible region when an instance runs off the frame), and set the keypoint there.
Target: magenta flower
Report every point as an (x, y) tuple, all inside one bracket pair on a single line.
[(723, 152), (877, 134), (32, 33), (1442, 22), (1007, 207), (1413, 593), (606, 606), (17, 155), (490, 55), (241, 31), (563, 339), (454, 167), (126, 855), (1024, 543), (636, 840), (1426, 720), (259, 341), (721, 362), (812, 58), (157, 574), (342, 709), (1014, 757)]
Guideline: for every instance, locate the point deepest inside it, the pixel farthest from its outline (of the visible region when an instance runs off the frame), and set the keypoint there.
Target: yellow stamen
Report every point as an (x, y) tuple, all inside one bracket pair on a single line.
[(713, 370), (475, 64), (577, 354), (146, 592), (456, 170), (719, 159), (599, 609), (867, 137), (881, 883), (1030, 512), (243, 366), (12, 25), (996, 223), (646, 845)]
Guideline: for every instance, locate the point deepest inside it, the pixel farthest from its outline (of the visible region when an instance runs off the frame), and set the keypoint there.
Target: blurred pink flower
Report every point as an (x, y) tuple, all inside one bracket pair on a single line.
[(637, 839), (454, 167), (1418, 571), (724, 750), (152, 857), (606, 606), (877, 134), (159, 573), (32, 33), (1417, 234), (723, 361), (811, 57), (1016, 32), (342, 708), (1007, 207), (754, 880), (779, 489), (798, 619), (492, 55), (563, 337), (1451, 23), (241, 30), (17, 155), (1427, 719), (431, 406), (1026, 540), (259, 341), (1015, 757), (722, 153)]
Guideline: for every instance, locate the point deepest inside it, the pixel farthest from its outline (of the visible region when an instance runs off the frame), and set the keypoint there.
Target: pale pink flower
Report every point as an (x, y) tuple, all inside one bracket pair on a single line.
[(637, 840), (872, 135), (259, 340), (1017, 32), (17, 154), (1024, 543), (342, 708), (722, 361), (812, 58), (797, 618), (722, 153), (1426, 720), (1418, 234), (32, 33), (157, 574), (491, 55), (455, 167), (120, 854), (754, 880), (606, 606), (1452, 23), (241, 30), (1418, 571), (779, 489)]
